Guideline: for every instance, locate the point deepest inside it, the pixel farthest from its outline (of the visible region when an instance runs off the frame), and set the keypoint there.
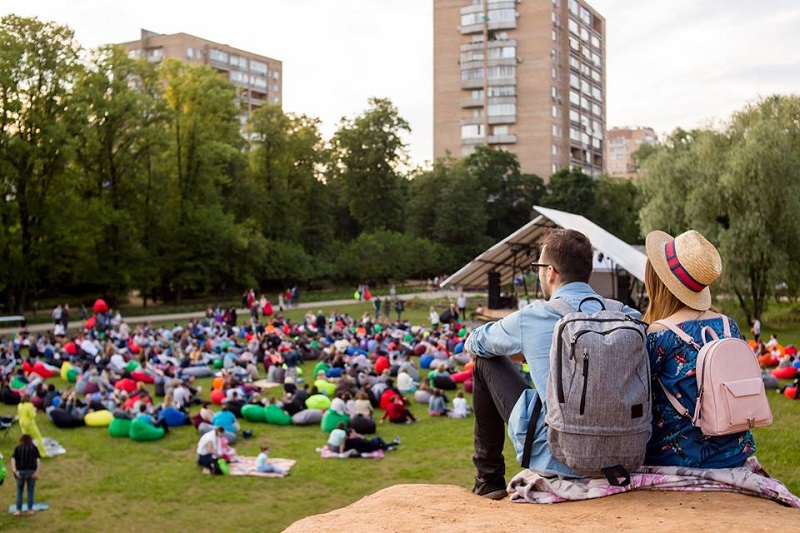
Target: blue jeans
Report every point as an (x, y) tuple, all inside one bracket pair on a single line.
[(23, 477)]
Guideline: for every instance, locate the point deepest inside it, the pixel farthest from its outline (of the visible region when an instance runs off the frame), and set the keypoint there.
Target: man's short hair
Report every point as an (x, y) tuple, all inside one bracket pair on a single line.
[(570, 253)]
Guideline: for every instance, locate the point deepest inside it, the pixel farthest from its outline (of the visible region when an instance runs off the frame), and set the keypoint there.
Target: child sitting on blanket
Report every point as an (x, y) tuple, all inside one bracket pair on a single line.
[(263, 466)]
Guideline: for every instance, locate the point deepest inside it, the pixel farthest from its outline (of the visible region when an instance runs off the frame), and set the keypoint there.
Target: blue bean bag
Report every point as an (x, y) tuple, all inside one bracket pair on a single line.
[(459, 348), (425, 360), (173, 416), (334, 372)]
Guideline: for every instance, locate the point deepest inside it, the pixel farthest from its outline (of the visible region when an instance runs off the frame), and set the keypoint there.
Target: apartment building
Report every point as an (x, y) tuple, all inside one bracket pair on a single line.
[(621, 143), (259, 77), (527, 76)]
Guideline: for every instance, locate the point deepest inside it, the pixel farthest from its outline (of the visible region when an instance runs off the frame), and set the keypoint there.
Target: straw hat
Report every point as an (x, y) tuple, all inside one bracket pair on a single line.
[(687, 264)]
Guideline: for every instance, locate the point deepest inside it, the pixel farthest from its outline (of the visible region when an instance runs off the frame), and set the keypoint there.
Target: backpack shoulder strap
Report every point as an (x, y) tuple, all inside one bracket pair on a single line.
[(682, 335), (560, 306), (614, 305)]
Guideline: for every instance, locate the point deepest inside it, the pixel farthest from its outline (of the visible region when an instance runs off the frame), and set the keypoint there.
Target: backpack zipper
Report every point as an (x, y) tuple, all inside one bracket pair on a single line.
[(585, 379)]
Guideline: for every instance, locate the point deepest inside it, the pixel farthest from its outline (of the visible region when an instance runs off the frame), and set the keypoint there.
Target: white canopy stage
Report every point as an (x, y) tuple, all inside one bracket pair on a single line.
[(508, 261)]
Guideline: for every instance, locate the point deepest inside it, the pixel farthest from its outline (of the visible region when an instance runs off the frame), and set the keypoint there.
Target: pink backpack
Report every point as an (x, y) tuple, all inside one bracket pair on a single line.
[(730, 391)]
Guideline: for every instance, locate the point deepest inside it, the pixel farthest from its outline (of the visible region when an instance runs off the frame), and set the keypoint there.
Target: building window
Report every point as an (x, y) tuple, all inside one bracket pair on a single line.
[(135, 54), (597, 93), (574, 98), (190, 52), (573, 26), (477, 113), (502, 90), (500, 130), (238, 61), (471, 18), (258, 67), (257, 81), (574, 43), (472, 131), (595, 41), (502, 71), (555, 150), (555, 112), (556, 131), (471, 55), (498, 110), (502, 14), (574, 81), (477, 94), (501, 52), (596, 109), (238, 77), (276, 74), (472, 74), (218, 55), (574, 116)]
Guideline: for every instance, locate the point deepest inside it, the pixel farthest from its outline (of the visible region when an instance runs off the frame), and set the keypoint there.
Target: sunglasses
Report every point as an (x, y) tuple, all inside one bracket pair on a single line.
[(543, 265)]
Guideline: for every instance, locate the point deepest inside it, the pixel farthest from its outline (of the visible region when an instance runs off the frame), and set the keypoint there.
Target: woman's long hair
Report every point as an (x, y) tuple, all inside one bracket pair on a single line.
[(662, 302)]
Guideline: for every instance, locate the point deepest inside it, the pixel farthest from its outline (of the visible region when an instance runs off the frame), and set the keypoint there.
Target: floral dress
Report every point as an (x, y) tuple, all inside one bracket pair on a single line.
[(675, 440)]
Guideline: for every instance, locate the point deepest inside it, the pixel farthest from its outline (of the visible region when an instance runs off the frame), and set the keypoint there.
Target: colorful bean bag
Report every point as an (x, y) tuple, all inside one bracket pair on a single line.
[(218, 383), (318, 401), (458, 348), (461, 377), (334, 372), (321, 366), (120, 427), (254, 413), (381, 364), (363, 425), (66, 367), (64, 420), (132, 366), (71, 348), (217, 396), (126, 384), (98, 419), (17, 384), (788, 372), (142, 431), (789, 392), (130, 401), (468, 386), (422, 396), (277, 416), (143, 377), (331, 419), (386, 398), (218, 363), (91, 388), (469, 365), (425, 361), (42, 370), (174, 417), (307, 417), (326, 387)]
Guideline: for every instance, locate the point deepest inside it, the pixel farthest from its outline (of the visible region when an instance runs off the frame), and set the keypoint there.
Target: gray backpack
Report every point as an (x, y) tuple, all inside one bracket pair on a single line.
[(598, 394)]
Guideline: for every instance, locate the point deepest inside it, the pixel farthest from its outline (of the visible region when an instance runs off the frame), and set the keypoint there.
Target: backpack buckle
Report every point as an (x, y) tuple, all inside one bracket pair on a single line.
[(751, 423)]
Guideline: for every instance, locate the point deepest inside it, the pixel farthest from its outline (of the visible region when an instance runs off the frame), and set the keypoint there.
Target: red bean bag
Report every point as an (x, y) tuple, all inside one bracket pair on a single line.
[(100, 306), (125, 384), (71, 348), (386, 398), (468, 386), (133, 347), (217, 396), (90, 322), (419, 349), (142, 376), (91, 388), (461, 377), (381, 364), (788, 372), (789, 392), (27, 367), (43, 371), (791, 350), (130, 401)]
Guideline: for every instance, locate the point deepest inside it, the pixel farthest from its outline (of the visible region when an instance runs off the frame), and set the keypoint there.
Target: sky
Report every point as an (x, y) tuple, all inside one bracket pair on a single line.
[(670, 63)]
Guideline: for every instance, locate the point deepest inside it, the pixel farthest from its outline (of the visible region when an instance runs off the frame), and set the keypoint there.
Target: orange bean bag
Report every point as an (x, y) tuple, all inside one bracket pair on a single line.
[(217, 396), (767, 360), (469, 365), (788, 372), (217, 384)]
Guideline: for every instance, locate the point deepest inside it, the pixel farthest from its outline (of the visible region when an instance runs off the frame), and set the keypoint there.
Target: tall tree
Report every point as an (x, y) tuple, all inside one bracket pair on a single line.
[(616, 208), (38, 66), (571, 190), (739, 187), (367, 152)]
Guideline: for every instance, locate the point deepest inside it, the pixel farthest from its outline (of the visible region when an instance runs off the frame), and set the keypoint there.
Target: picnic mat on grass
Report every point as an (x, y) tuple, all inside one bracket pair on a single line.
[(750, 479), (37, 506), (326, 453), (246, 466), (52, 447), (264, 384)]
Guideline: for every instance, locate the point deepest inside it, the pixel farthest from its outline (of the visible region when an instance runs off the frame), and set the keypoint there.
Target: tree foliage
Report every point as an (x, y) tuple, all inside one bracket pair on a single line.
[(739, 187)]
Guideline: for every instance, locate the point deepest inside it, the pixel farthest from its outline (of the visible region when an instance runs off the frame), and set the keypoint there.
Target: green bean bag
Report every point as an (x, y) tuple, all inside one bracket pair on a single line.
[(132, 365), (327, 387), (98, 419), (17, 384), (277, 416), (318, 401), (120, 427), (331, 419), (218, 363), (72, 375), (253, 413), (224, 467), (142, 431), (320, 366)]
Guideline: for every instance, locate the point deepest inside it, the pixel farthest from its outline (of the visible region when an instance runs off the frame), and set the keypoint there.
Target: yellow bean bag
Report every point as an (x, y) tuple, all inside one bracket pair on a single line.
[(98, 419), (66, 367)]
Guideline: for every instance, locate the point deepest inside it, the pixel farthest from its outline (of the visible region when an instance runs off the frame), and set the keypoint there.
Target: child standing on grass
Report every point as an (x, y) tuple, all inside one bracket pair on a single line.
[(263, 466)]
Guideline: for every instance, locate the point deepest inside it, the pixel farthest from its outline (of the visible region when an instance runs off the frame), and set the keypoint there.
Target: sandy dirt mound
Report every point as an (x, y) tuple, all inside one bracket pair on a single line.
[(448, 508)]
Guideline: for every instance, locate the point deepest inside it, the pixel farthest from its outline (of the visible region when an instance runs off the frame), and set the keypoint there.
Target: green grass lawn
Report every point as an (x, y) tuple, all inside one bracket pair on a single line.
[(103, 484)]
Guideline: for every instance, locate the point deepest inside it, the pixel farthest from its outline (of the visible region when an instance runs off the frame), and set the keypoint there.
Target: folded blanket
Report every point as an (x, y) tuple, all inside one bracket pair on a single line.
[(52, 447), (326, 453), (246, 466), (751, 479)]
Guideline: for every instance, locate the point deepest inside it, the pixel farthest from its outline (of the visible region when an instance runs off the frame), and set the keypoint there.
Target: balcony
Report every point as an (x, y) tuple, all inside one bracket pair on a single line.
[(503, 119), (472, 84), (502, 139), (471, 102)]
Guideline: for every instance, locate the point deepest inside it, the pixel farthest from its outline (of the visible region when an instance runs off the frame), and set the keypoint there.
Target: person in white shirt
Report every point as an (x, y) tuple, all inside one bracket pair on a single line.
[(434, 318), (405, 383), (209, 448), (460, 408)]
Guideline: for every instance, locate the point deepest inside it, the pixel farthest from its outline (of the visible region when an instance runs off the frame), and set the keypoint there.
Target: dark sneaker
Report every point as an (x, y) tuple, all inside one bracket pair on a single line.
[(493, 490)]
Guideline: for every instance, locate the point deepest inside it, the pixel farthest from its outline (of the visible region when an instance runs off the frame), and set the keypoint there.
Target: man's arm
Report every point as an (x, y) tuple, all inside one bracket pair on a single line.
[(497, 339)]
